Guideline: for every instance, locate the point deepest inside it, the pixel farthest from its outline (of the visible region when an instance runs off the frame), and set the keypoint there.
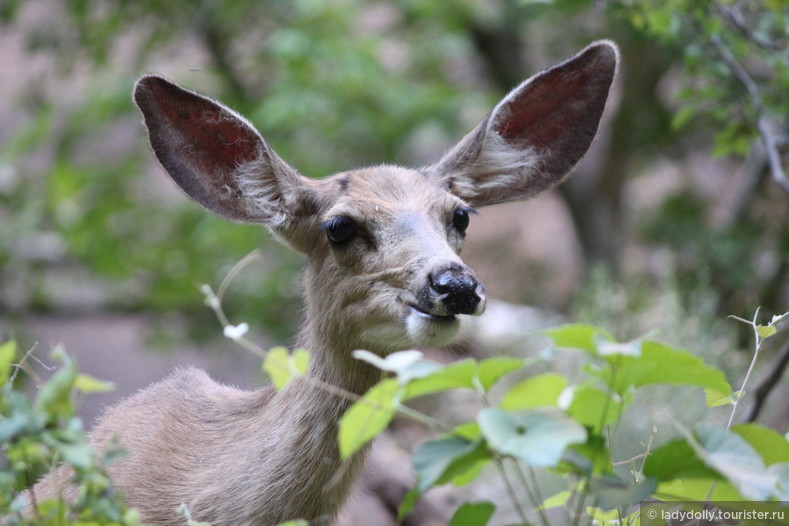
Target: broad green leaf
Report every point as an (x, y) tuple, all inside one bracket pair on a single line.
[(771, 446), (367, 417), (578, 336), (659, 363), (733, 457), (542, 390), (589, 404), (297, 522), (537, 438), (473, 514), (676, 460), (89, 384), (697, 489), (7, 355), (459, 375), (282, 366), (612, 492), (491, 370), (438, 461)]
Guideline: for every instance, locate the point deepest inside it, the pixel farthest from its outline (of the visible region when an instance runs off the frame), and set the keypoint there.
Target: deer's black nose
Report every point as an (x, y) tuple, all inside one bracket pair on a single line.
[(457, 289)]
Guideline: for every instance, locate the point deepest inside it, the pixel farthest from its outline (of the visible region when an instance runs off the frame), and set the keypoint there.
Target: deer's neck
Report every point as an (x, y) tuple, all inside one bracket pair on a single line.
[(299, 463)]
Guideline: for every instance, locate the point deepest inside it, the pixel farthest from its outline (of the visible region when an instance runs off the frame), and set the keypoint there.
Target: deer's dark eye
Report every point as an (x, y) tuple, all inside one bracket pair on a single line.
[(461, 218), (339, 230)]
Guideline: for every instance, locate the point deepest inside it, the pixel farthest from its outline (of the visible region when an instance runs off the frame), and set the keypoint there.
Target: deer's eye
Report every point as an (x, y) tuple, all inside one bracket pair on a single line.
[(339, 230), (460, 219)]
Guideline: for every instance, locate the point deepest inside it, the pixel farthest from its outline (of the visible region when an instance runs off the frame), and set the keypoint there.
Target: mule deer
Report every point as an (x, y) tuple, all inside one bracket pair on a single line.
[(383, 273)]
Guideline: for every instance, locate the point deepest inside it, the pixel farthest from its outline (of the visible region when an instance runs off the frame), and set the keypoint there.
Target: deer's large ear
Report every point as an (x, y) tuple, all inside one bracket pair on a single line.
[(535, 135), (217, 157)]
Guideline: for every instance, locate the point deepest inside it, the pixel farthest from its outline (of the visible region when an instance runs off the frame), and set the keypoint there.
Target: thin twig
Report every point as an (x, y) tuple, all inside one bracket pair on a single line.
[(769, 383), (757, 346)]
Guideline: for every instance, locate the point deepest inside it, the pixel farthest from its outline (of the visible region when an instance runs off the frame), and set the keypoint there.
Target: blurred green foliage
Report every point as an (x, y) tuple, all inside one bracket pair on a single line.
[(338, 84), (37, 433)]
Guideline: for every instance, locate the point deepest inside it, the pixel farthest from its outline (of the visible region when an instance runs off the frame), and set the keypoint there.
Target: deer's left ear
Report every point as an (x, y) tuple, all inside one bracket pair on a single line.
[(535, 135)]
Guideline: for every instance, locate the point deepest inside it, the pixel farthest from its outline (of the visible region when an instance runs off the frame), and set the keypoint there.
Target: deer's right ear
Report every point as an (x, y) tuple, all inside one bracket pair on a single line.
[(217, 157)]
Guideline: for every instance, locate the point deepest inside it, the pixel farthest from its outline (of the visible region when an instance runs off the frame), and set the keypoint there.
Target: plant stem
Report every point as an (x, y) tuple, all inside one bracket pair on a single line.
[(510, 489)]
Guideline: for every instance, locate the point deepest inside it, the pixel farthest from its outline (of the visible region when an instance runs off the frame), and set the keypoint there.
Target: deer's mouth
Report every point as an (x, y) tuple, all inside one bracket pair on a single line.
[(428, 329), (446, 318)]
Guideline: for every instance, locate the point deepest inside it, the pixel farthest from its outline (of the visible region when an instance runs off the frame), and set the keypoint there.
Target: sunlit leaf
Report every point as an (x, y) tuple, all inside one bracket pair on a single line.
[(282, 366), (491, 370), (367, 417), (578, 336), (459, 375), (542, 390), (659, 363)]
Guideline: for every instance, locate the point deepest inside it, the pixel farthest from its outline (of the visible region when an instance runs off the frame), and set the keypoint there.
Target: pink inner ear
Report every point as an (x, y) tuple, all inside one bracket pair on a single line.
[(217, 143), (542, 113)]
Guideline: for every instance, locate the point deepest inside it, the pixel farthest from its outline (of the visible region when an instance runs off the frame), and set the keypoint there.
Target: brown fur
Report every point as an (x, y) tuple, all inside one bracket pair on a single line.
[(259, 458)]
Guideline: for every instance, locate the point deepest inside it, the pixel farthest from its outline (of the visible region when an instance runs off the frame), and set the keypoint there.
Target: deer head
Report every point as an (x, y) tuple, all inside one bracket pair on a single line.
[(383, 243)]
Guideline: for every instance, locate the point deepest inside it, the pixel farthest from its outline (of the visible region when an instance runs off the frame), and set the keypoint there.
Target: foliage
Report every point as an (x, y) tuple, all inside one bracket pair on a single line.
[(550, 422), (38, 433)]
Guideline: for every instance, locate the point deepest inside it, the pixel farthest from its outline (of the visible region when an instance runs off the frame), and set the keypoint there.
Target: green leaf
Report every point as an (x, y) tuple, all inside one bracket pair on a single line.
[(589, 403), (697, 489), (612, 492), (733, 457), (491, 370), (88, 384), (716, 398), (537, 438), (459, 375), (54, 397), (446, 458), (765, 331), (769, 444), (408, 503), (281, 366), (676, 460), (367, 417), (7, 355), (542, 390), (659, 363), (578, 336), (473, 514), (560, 499)]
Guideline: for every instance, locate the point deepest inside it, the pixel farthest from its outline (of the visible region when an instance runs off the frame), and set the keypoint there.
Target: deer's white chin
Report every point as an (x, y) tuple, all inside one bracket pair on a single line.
[(430, 330)]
